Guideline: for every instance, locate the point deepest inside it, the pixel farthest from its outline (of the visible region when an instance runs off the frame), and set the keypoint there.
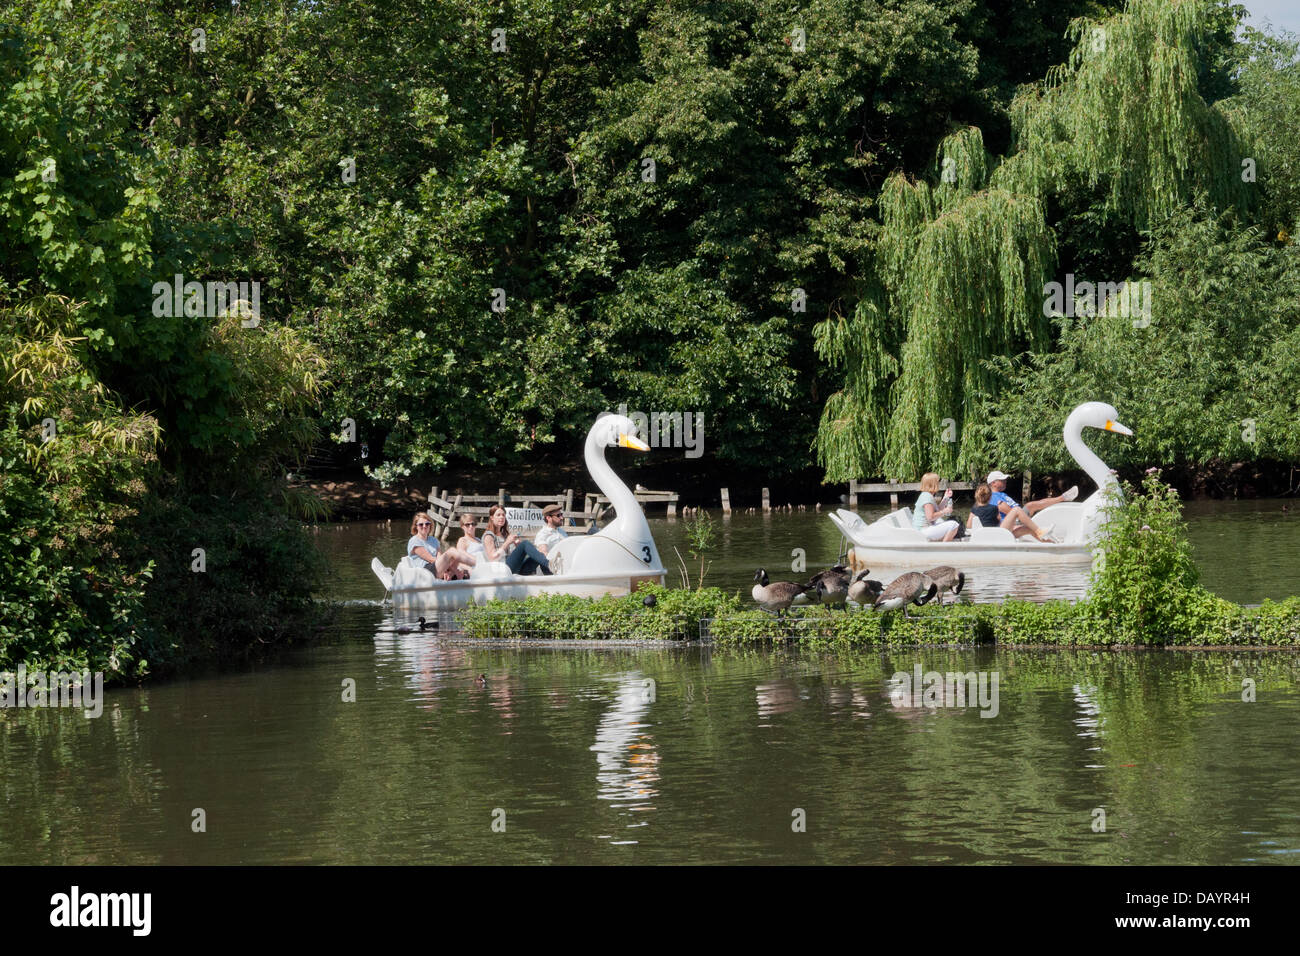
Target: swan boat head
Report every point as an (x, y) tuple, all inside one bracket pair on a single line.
[(1080, 521), (626, 543)]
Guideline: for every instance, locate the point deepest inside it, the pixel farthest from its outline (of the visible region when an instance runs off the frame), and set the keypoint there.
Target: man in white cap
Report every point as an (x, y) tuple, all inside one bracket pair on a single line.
[(1005, 503)]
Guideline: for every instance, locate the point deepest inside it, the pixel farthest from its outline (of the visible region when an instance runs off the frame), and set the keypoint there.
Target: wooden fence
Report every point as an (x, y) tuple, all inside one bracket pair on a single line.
[(446, 508)]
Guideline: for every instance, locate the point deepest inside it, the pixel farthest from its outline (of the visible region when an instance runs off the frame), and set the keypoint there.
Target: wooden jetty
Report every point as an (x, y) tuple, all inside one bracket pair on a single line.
[(446, 508)]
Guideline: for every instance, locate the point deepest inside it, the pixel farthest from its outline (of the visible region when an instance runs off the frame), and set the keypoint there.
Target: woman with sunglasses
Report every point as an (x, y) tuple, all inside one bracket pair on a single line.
[(469, 542), (499, 544), (451, 565)]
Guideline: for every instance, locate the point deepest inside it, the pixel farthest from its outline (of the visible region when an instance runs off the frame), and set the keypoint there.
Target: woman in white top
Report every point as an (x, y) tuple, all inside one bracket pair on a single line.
[(469, 542), (499, 544)]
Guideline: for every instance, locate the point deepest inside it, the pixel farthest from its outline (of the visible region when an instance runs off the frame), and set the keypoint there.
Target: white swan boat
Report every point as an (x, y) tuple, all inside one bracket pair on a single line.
[(892, 541), (618, 559)]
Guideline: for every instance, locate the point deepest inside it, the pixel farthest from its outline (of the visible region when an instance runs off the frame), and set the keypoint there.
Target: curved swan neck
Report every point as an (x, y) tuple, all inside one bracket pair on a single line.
[(1086, 458), (610, 485)]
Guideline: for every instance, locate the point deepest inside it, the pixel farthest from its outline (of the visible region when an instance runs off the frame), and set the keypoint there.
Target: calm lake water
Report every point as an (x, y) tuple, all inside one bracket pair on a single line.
[(678, 754)]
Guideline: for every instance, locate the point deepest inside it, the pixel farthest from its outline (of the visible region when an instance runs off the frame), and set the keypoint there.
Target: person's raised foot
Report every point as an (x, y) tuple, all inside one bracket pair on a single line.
[(1071, 494), (1044, 534)]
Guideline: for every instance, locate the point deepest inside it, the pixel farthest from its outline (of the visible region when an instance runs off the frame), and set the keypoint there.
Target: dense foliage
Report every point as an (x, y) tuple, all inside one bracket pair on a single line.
[(473, 226), (1129, 164)]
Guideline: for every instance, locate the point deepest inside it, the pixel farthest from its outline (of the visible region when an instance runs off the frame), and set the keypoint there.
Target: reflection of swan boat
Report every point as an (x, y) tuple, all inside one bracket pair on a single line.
[(616, 560), (625, 753), (892, 540)]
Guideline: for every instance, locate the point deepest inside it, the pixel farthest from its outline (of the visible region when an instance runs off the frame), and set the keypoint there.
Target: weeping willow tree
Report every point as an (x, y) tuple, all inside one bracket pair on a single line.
[(962, 258)]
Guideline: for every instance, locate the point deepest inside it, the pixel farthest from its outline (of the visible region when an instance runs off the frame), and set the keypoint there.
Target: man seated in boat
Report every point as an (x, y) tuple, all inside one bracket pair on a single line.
[(550, 531), (1016, 520), (502, 544), (1005, 503), (450, 565)]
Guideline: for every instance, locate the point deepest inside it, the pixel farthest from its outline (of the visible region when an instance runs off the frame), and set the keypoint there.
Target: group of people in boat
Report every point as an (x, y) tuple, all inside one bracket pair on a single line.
[(497, 543), (994, 508)]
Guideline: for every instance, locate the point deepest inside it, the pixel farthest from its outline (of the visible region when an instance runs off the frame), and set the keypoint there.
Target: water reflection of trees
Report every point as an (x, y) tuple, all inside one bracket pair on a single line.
[(731, 744)]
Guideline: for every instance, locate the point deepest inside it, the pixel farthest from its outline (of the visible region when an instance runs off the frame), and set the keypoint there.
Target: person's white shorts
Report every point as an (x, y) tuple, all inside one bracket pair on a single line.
[(936, 531)]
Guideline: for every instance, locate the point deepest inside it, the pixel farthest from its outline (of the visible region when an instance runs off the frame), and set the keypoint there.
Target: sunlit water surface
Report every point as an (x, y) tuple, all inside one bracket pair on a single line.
[(676, 754)]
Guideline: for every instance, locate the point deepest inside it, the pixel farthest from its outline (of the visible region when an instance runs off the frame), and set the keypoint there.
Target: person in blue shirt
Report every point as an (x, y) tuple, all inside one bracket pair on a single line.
[(1006, 504), (1016, 520)]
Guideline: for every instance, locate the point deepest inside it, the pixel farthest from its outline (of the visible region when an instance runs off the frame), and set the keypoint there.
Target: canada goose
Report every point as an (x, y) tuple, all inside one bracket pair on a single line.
[(832, 586), (775, 597), (863, 591), (910, 588), (948, 579), (406, 629)]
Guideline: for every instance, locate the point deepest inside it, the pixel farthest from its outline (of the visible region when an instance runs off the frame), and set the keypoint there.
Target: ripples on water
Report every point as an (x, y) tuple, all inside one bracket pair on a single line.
[(654, 755), (672, 754)]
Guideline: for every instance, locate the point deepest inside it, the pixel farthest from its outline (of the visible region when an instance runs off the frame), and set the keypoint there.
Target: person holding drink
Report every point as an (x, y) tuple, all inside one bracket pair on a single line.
[(933, 520)]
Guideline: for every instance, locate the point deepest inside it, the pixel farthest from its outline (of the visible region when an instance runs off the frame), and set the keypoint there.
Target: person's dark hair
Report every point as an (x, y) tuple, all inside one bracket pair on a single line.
[(505, 526), (983, 493)]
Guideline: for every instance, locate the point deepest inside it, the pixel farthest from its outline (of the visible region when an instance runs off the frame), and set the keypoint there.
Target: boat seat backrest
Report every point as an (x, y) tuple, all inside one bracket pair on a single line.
[(982, 535)]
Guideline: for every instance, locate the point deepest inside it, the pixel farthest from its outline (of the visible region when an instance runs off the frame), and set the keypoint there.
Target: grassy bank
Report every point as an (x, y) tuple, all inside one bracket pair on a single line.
[(728, 619)]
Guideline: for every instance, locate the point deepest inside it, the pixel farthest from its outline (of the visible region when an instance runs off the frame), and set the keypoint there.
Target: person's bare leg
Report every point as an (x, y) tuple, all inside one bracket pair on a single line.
[(1027, 525), (952, 533), (1033, 507)]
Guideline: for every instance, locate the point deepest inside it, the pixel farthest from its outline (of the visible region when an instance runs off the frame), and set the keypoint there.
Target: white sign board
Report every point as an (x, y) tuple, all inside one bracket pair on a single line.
[(524, 517)]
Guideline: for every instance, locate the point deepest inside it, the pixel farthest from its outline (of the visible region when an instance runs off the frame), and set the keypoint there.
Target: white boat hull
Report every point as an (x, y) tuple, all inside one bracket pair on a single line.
[(965, 554), (416, 590), (891, 542)]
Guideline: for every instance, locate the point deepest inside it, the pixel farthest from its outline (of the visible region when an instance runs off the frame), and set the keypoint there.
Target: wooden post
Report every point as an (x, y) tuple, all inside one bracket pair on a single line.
[(726, 501), (672, 506), (501, 497), (1026, 486), (767, 501), (451, 518), (893, 497), (853, 496)]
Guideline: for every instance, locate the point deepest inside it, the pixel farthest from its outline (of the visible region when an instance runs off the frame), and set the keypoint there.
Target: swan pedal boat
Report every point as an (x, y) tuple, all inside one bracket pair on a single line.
[(892, 541), (619, 559)]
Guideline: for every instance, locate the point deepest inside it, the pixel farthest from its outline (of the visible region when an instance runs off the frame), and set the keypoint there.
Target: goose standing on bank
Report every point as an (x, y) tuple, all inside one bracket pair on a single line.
[(948, 579), (775, 597), (863, 591), (910, 588), (831, 586)]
